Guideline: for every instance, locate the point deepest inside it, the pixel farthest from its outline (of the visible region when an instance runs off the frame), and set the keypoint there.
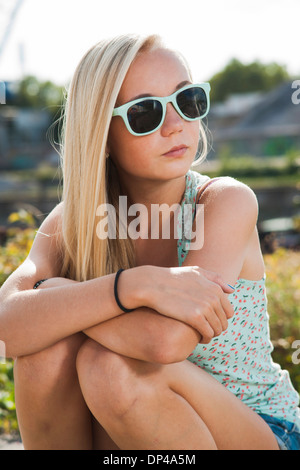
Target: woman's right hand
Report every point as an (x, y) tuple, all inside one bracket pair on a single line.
[(192, 295)]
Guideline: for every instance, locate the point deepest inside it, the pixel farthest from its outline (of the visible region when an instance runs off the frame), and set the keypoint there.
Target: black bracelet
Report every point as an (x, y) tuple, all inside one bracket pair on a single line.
[(126, 310), (36, 285)]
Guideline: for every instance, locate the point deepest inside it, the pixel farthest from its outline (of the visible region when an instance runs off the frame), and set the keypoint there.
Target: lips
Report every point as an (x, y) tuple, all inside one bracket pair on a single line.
[(177, 151)]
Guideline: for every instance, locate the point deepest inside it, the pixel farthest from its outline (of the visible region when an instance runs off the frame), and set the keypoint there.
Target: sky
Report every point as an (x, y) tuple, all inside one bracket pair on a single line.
[(49, 37)]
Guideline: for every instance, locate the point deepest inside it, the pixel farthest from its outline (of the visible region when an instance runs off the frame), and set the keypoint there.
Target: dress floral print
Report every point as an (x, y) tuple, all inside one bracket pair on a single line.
[(240, 358)]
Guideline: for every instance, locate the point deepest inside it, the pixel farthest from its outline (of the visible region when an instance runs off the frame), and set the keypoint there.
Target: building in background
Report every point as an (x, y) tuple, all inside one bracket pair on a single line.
[(258, 124)]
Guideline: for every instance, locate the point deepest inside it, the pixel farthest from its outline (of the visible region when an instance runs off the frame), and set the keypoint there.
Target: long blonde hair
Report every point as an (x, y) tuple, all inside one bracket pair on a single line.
[(89, 177)]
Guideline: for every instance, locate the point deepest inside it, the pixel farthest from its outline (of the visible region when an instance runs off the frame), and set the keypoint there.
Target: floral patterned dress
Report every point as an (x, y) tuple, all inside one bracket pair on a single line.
[(240, 358)]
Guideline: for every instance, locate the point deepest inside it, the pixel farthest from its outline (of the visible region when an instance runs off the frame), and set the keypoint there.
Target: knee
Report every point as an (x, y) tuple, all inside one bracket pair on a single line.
[(107, 380), (53, 364)]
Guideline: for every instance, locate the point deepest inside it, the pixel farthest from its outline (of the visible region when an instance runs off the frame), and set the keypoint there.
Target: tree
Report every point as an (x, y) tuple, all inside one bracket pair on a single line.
[(237, 77), (31, 93)]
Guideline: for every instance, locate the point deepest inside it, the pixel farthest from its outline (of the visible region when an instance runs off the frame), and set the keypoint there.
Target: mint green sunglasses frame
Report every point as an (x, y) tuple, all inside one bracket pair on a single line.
[(122, 110)]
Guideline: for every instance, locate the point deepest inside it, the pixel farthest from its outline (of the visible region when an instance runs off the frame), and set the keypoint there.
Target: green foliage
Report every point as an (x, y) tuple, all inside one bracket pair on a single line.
[(12, 254), (239, 166), (8, 419), (15, 250), (283, 289), (237, 77), (292, 157), (31, 93)]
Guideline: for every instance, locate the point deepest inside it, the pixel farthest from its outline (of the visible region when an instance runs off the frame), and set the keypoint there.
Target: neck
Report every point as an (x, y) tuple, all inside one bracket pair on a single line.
[(152, 201), (147, 192)]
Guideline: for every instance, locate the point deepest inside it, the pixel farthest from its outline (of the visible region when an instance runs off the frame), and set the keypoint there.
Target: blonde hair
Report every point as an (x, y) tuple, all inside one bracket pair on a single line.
[(89, 177)]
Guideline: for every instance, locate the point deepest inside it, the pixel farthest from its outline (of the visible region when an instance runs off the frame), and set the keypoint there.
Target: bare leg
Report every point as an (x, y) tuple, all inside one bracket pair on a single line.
[(51, 411), (101, 440), (175, 406)]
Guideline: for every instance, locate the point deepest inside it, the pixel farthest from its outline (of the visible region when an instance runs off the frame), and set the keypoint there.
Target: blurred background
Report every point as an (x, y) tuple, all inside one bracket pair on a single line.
[(247, 50)]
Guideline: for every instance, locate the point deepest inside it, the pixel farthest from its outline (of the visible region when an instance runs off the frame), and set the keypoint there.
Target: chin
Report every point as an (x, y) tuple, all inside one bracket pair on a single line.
[(177, 167)]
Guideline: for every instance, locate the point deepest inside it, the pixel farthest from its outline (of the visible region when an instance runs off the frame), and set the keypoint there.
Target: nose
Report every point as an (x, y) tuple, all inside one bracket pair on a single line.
[(173, 122)]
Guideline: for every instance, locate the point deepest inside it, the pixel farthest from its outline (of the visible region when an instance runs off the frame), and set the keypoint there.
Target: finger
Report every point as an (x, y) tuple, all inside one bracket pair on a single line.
[(203, 327), (227, 288), (220, 312), (216, 278), (216, 318), (220, 302), (227, 307), (206, 338)]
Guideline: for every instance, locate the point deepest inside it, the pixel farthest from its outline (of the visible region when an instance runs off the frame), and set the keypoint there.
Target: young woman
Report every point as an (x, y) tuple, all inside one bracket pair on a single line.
[(164, 354)]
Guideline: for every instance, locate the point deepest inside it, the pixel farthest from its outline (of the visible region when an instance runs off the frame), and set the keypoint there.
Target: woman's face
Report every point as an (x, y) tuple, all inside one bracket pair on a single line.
[(158, 73)]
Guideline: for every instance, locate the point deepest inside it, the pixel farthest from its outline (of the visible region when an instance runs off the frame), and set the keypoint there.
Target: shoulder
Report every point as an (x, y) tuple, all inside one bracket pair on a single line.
[(229, 196), (48, 240), (52, 224), (226, 226)]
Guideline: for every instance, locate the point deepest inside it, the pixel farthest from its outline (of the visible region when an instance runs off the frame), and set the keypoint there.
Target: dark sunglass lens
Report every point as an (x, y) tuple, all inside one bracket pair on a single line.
[(145, 116), (192, 102)]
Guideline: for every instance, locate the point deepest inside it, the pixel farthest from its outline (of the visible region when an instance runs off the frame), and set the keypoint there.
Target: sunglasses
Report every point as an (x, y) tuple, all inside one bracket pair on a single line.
[(145, 115)]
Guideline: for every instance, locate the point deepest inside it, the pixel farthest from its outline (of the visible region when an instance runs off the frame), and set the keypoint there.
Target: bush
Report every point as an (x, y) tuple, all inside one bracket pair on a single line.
[(8, 419), (283, 290), (12, 254), (248, 166)]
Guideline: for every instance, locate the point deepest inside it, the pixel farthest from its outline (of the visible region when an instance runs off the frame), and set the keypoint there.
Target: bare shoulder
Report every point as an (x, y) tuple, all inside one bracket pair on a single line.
[(228, 228), (230, 196), (52, 224), (48, 240)]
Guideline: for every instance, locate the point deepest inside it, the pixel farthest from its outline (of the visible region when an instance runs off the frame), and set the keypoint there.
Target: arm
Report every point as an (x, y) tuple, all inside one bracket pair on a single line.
[(146, 335), (31, 320), (230, 235), (230, 223)]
